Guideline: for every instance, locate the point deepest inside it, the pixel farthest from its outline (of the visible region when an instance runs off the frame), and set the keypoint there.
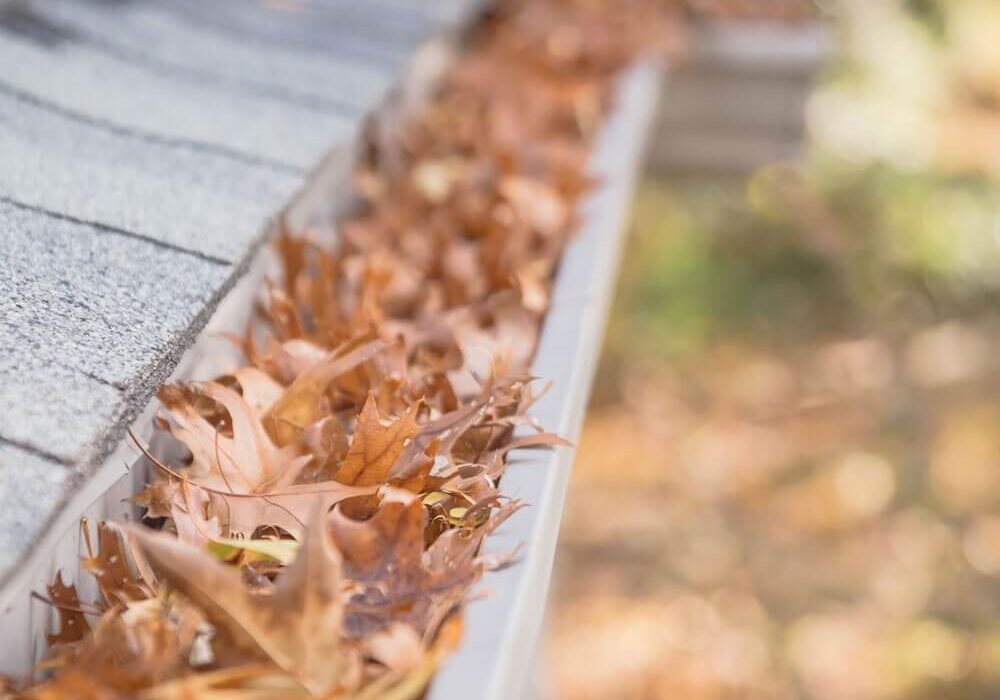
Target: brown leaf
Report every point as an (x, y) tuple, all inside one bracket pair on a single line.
[(328, 442), (110, 567), (302, 403), (537, 203), (307, 615), (398, 647), (376, 446), (243, 514), (218, 590), (254, 681), (73, 626), (392, 540), (538, 440), (286, 361), (386, 554), (260, 391), (412, 684), (73, 683), (242, 463)]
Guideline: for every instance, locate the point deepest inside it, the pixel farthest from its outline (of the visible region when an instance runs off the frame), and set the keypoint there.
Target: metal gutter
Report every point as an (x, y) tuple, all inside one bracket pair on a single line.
[(496, 658)]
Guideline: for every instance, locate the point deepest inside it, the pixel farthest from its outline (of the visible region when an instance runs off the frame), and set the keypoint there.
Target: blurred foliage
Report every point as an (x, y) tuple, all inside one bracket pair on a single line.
[(930, 12), (789, 484), (798, 255), (915, 85), (688, 284)]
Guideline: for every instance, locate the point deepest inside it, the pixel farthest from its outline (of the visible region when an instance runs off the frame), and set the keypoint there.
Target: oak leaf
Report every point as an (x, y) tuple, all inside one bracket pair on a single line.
[(376, 446), (240, 463), (302, 403), (73, 625), (399, 582), (110, 566)]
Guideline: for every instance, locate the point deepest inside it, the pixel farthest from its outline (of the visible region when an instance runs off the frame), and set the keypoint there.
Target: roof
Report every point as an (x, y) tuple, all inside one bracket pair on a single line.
[(145, 145)]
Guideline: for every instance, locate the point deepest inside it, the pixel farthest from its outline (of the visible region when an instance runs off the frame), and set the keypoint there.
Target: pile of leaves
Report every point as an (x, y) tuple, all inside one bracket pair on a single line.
[(317, 513)]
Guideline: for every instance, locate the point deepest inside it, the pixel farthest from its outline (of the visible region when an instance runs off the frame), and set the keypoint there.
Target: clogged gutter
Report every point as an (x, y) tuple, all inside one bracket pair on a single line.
[(321, 512)]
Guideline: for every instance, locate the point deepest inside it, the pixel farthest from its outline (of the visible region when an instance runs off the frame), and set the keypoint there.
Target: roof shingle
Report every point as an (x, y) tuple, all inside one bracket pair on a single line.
[(145, 145)]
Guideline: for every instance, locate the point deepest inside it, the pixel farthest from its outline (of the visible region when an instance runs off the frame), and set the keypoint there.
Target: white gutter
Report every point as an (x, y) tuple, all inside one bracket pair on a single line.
[(496, 658)]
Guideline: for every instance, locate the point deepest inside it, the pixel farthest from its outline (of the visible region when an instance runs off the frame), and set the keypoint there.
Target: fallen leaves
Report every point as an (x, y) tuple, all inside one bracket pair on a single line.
[(296, 624), (110, 567), (322, 507)]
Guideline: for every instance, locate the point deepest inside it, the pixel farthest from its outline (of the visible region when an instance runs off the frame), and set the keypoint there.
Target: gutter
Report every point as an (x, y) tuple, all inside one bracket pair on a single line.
[(496, 658)]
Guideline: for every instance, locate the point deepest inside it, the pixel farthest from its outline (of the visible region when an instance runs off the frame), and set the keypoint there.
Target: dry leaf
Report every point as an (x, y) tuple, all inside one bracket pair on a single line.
[(426, 302), (110, 567), (302, 404), (73, 625), (376, 446)]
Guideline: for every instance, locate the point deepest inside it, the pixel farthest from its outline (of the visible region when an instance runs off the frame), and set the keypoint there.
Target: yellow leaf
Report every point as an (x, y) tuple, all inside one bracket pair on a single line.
[(283, 551)]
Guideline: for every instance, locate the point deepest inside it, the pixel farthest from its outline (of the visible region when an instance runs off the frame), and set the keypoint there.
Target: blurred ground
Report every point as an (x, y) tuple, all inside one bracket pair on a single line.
[(789, 481)]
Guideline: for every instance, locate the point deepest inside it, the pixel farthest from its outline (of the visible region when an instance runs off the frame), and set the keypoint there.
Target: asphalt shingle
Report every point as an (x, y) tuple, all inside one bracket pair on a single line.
[(144, 145), (49, 407), (178, 195), (361, 30), (101, 303), (151, 35), (37, 485), (73, 77)]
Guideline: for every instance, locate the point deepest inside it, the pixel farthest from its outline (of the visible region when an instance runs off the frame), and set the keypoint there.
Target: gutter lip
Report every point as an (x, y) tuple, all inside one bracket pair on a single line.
[(496, 659)]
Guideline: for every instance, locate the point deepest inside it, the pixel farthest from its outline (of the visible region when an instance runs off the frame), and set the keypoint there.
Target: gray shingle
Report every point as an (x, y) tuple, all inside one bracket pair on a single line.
[(157, 39), (107, 305), (180, 196), (49, 407), (74, 77), (35, 486), (346, 29)]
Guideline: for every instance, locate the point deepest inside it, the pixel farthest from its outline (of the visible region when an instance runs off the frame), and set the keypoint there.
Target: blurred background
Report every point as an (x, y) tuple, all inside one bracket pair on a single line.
[(789, 481)]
